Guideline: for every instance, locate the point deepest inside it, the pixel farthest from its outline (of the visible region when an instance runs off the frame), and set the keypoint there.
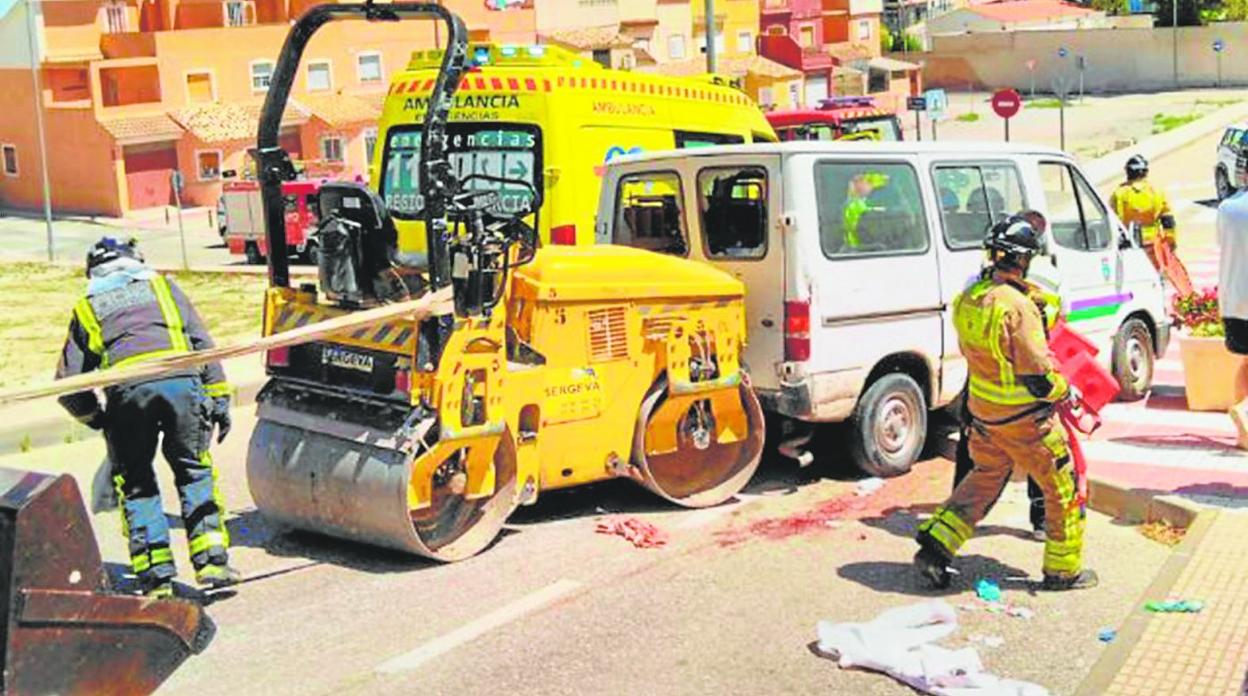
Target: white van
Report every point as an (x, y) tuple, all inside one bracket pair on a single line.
[(852, 254)]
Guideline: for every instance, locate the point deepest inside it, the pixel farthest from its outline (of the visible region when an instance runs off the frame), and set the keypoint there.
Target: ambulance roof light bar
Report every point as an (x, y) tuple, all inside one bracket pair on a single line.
[(483, 54), (831, 103)]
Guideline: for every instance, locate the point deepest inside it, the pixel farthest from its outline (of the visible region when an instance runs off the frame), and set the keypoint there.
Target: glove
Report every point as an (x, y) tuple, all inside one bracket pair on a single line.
[(1074, 397), (96, 420), (220, 416)]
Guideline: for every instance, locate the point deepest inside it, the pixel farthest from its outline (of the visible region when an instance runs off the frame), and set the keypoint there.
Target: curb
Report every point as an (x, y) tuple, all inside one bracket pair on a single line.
[(1108, 168), (1119, 502), (1132, 629), (61, 429)]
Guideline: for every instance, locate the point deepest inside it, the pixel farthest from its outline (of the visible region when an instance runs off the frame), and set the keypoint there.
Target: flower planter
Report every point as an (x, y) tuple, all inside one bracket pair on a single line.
[(1215, 378)]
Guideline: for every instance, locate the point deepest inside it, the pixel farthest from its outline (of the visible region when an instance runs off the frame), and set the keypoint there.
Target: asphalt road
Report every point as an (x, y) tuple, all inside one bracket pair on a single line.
[(729, 605)]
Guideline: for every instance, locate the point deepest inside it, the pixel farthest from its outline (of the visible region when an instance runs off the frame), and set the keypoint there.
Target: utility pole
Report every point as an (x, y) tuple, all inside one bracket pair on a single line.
[(33, 42), (711, 64)]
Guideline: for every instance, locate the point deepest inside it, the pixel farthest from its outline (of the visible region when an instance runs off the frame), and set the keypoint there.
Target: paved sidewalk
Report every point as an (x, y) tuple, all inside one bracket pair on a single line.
[(1202, 654)]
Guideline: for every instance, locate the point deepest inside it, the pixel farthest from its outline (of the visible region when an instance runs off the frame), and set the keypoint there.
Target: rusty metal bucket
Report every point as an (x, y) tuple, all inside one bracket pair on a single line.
[(63, 632)]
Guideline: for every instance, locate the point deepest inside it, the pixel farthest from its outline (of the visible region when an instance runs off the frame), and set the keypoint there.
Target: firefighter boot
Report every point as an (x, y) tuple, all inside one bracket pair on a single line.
[(1086, 579), (217, 575), (933, 566), (159, 589)]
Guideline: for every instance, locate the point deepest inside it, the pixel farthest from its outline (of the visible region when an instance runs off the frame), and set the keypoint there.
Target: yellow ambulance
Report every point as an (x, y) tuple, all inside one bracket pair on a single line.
[(553, 119)]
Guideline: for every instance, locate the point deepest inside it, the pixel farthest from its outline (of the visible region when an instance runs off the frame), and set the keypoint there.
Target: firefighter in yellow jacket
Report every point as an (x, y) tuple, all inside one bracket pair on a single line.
[(1013, 390), (1137, 202)]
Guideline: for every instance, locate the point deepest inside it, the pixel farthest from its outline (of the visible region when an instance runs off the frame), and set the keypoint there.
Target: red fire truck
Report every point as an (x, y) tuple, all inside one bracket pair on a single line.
[(837, 118), (244, 218)]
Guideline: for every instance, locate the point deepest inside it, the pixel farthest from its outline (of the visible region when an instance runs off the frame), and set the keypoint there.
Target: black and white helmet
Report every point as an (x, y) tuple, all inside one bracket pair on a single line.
[(1013, 239), (109, 249)]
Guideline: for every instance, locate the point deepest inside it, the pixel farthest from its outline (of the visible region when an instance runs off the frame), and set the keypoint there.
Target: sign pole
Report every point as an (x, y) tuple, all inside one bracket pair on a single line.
[(1061, 115), (33, 44), (177, 201)]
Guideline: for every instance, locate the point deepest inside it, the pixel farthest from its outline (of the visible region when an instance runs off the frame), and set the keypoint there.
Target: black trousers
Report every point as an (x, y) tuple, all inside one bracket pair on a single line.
[(963, 465), (1236, 335)]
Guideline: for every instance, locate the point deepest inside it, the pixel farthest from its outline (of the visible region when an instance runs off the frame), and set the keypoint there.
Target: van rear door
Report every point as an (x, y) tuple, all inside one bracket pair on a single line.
[(736, 219), (872, 262)]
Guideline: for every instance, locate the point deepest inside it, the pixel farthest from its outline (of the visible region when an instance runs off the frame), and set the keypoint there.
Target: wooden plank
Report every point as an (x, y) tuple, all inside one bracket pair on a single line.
[(413, 310)]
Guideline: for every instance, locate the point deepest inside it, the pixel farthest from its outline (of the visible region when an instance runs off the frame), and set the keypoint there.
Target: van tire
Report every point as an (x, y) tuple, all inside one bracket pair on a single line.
[(1133, 359), (889, 426), (1222, 182), (251, 250)]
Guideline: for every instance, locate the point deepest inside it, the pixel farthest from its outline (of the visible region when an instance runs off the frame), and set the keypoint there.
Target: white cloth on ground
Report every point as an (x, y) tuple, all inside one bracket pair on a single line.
[(1233, 262), (899, 642)]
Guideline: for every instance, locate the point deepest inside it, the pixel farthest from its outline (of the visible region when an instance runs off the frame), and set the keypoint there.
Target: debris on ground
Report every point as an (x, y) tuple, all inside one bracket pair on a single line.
[(1163, 532), (642, 534), (1020, 612), (1107, 635), (899, 643), (988, 590), (868, 486), (1175, 606)]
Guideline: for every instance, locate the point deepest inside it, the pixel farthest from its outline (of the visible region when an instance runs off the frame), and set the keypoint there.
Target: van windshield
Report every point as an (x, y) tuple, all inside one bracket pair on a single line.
[(503, 150)]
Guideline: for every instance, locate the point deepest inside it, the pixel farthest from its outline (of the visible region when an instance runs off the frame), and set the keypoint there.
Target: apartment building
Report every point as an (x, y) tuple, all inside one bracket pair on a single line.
[(793, 35), (134, 90), (736, 26)]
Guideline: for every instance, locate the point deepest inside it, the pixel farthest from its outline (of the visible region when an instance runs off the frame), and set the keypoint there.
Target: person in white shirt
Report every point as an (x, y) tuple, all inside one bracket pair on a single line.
[(1233, 270), (1233, 289)]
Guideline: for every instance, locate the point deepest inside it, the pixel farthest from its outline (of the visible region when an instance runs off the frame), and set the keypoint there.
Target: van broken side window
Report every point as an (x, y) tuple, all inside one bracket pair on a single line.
[(733, 207), (649, 213)]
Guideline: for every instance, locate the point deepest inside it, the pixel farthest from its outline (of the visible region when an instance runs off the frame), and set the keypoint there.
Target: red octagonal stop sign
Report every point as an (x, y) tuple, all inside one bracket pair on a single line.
[(1007, 103)]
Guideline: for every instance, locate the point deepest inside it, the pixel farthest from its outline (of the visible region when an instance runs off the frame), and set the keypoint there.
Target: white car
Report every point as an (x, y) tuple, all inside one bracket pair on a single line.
[(1226, 176), (861, 330)]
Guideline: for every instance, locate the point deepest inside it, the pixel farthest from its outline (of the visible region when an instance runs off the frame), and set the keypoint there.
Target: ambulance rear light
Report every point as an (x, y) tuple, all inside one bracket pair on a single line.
[(278, 357), (796, 331), (563, 234)]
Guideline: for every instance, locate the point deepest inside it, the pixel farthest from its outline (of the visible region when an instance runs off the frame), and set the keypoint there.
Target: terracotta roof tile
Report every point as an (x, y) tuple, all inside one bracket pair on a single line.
[(732, 66), (149, 129), (220, 123), (342, 109), (589, 38), (1031, 10)]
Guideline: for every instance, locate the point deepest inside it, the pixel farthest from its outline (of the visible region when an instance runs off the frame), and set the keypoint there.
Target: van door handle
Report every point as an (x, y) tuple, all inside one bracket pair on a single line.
[(768, 323)]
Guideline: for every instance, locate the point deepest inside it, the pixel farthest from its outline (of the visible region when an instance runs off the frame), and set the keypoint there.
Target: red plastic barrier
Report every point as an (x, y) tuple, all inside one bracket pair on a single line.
[(1066, 343), (1095, 382)]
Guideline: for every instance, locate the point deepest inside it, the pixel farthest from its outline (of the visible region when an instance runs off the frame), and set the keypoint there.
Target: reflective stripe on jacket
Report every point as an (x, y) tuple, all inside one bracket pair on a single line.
[(140, 321), (1001, 334)]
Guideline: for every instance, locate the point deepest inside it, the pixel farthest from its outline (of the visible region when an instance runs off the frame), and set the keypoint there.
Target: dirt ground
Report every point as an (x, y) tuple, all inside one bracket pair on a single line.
[(33, 329)]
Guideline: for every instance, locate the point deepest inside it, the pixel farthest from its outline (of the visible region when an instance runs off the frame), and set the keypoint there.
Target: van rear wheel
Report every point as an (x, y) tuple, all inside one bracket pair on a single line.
[(889, 427), (1133, 360)]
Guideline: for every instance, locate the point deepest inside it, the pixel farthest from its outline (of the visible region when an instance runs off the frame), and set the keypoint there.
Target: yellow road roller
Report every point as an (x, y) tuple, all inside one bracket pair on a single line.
[(559, 366)]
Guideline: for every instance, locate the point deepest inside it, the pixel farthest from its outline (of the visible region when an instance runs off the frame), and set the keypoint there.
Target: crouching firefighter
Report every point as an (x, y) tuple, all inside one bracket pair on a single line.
[(1013, 389), (131, 314)]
